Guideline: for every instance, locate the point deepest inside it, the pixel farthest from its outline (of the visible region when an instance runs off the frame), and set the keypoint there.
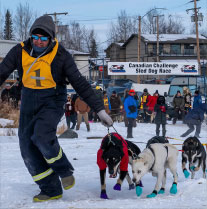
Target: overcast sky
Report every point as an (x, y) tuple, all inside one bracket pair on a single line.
[(98, 14)]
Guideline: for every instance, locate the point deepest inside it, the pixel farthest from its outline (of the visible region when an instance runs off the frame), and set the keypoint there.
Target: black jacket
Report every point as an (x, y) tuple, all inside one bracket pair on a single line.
[(63, 70), (160, 110)]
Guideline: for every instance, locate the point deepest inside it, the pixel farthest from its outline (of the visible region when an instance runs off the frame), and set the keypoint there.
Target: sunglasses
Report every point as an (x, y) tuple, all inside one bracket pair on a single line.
[(42, 38)]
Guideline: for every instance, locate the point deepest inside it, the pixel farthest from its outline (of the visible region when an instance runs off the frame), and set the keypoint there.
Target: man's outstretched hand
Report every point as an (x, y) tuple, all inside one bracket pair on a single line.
[(105, 118)]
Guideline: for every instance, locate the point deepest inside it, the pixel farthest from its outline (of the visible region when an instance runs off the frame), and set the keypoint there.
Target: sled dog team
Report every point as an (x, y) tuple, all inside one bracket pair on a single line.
[(116, 153)]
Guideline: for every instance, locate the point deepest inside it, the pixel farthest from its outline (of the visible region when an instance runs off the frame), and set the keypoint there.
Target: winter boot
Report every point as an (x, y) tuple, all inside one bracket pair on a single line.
[(163, 132), (88, 127), (42, 197), (77, 127), (68, 182)]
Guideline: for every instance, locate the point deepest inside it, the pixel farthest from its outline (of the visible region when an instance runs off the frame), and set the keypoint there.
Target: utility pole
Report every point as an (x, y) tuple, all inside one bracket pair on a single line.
[(139, 46), (139, 37), (55, 19), (197, 37), (158, 46), (195, 18)]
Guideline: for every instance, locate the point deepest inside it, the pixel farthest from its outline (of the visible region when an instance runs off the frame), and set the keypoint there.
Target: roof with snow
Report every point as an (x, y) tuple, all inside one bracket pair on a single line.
[(168, 38), (74, 52)]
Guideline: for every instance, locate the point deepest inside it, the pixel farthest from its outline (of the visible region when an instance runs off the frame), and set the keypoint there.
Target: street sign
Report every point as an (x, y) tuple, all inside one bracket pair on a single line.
[(100, 68)]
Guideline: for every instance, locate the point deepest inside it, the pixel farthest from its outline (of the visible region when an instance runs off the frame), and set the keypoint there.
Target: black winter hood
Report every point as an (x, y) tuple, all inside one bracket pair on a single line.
[(161, 100), (45, 23)]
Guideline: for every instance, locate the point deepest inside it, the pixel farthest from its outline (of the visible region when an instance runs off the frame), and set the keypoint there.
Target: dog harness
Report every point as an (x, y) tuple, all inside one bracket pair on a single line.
[(154, 155), (125, 159)]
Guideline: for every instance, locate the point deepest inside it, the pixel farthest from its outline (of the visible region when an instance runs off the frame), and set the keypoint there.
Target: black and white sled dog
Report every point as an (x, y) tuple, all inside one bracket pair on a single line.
[(115, 153), (195, 154), (156, 158)]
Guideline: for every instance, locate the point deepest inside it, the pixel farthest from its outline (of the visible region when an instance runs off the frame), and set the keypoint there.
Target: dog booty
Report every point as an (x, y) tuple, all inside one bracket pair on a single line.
[(138, 190), (186, 173), (117, 187), (162, 191), (140, 184), (103, 195), (192, 168), (173, 189), (153, 194), (131, 186)]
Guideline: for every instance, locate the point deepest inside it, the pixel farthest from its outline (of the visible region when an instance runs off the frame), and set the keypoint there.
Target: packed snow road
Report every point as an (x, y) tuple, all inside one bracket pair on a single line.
[(17, 187)]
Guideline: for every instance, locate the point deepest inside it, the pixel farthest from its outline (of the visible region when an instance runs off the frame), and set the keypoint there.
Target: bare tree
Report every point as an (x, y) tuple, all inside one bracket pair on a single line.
[(23, 20), (90, 42), (167, 25), (171, 25), (123, 28), (75, 36), (148, 23)]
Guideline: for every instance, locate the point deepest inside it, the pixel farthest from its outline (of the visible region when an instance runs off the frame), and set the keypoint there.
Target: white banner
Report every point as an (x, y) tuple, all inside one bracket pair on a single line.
[(152, 68)]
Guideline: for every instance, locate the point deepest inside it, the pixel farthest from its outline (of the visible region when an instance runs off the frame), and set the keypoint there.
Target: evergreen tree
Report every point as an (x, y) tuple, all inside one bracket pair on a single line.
[(8, 28), (93, 49)]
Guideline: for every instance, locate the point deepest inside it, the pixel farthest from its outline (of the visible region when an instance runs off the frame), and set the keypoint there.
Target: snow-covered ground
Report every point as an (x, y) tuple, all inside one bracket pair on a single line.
[(17, 187)]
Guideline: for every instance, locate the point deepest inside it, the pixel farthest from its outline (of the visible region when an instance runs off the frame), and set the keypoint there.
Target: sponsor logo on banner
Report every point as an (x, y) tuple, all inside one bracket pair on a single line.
[(152, 68)]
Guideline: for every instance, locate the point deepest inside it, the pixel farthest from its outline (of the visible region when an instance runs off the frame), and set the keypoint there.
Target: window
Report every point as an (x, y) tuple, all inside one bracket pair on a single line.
[(155, 49), (203, 49), (175, 49), (188, 49)]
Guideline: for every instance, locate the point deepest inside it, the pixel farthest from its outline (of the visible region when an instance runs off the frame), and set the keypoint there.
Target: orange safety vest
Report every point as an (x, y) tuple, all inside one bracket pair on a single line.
[(37, 71)]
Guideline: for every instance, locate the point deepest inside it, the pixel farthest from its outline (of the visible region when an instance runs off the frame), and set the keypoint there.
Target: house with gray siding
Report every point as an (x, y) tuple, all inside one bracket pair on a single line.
[(172, 47)]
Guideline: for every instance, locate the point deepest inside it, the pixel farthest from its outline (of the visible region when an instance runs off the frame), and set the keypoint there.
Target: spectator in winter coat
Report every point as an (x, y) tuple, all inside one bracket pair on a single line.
[(194, 118), (70, 113), (5, 94), (130, 106), (143, 105), (15, 94), (197, 99), (178, 104), (187, 99), (82, 110), (44, 68), (126, 94), (160, 115), (151, 104), (107, 103), (115, 105)]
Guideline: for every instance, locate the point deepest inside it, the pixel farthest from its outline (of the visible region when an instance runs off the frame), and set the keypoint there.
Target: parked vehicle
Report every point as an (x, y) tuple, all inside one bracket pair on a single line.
[(192, 82), (103, 82), (120, 82)]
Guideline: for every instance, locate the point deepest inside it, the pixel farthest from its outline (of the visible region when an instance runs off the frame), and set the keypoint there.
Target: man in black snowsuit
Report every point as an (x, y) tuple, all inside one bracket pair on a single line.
[(160, 115), (44, 68), (178, 104), (194, 118)]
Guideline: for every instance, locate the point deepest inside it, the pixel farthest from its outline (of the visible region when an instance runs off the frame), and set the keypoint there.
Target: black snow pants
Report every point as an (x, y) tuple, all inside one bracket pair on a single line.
[(40, 113)]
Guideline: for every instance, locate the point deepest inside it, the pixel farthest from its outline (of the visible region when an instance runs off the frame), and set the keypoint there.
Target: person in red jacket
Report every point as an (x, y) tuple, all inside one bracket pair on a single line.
[(151, 104)]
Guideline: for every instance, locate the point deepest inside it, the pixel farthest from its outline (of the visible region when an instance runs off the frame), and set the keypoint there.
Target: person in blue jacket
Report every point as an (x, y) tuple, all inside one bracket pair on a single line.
[(130, 106), (197, 99), (194, 118)]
